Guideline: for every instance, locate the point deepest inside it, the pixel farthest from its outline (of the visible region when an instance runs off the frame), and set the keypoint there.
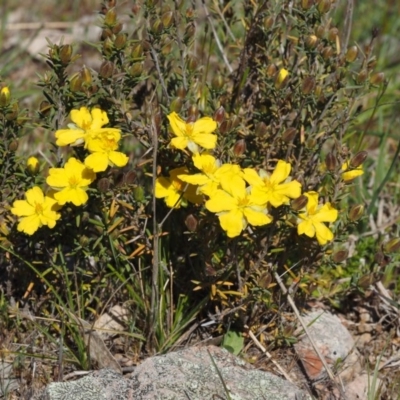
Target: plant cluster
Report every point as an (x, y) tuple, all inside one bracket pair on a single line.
[(261, 187)]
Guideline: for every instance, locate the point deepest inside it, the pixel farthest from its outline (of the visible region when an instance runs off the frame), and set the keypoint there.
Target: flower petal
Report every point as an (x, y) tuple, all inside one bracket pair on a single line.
[(82, 118), (98, 161), (325, 214), (204, 126), (21, 208), (162, 187), (256, 218), (306, 228), (232, 222), (118, 159), (281, 172), (251, 177), (323, 233), (178, 125), (29, 225), (221, 201), (180, 142)]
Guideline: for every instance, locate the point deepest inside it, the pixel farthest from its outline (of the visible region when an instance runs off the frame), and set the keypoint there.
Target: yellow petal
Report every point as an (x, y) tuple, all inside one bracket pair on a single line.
[(98, 161), (312, 203), (323, 233), (82, 118), (205, 140), (306, 228), (252, 178), (29, 225), (162, 187), (281, 172), (173, 199), (232, 222), (118, 159), (178, 125), (204, 125), (256, 218), (180, 142), (221, 201), (352, 174), (22, 208), (99, 118), (68, 136), (196, 179), (76, 196), (325, 214)]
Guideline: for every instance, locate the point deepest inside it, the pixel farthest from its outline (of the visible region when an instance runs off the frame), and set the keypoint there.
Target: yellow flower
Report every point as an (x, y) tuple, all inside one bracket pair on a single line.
[(5, 96), (32, 164), (174, 191), (103, 152), (349, 174), (87, 125), (212, 174), (281, 78), (37, 210), (313, 218), (236, 207), (274, 189), (71, 182), (191, 134)]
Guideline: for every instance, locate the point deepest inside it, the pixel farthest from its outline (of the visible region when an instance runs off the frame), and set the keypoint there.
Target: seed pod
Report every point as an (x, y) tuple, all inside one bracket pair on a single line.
[(176, 105), (392, 245), (44, 107), (166, 46), (311, 41), (378, 78), (356, 212), (224, 127), (5, 97), (239, 148), (289, 135), (191, 63), (189, 32), (181, 92), (331, 162), (340, 256), (108, 47), (299, 203), (358, 159), (268, 22), (219, 115), (106, 33), (106, 69), (193, 113), (320, 31), (86, 76), (235, 121), (308, 85), (65, 54), (75, 83), (307, 4), (13, 114), (83, 241), (157, 27), (372, 63), (138, 194)]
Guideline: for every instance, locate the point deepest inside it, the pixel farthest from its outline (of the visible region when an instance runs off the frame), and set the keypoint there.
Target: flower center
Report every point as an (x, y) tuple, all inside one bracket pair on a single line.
[(73, 182), (39, 208), (189, 130), (243, 202)]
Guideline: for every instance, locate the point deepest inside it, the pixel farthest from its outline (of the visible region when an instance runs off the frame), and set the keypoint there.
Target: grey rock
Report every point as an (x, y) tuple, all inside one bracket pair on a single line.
[(189, 374)]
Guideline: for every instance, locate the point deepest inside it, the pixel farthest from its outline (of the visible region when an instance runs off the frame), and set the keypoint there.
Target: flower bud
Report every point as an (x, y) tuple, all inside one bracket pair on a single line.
[(45, 107), (307, 4), (193, 113), (331, 162), (217, 82), (351, 54), (5, 97), (138, 194), (311, 41), (136, 69), (110, 18), (181, 92), (189, 32), (32, 165), (378, 78), (167, 18), (83, 241), (299, 203), (340, 256), (166, 46), (333, 34), (261, 129), (235, 121), (120, 41), (358, 159), (137, 51), (219, 115), (108, 47), (362, 76), (13, 114), (392, 245), (176, 105), (239, 148), (327, 53), (106, 33), (324, 6), (308, 85), (224, 127), (103, 185), (13, 146), (320, 31), (268, 22), (282, 78), (86, 76), (356, 212), (65, 54), (117, 28), (271, 70), (191, 223), (289, 135), (106, 69), (75, 83), (191, 63), (372, 63)]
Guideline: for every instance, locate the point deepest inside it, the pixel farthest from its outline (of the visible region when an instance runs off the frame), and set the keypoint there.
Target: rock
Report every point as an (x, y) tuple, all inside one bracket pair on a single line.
[(187, 374), (334, 342)]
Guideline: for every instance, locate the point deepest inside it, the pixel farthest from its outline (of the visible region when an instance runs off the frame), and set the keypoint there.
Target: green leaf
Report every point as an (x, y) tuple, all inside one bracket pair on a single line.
[(233, 342)]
